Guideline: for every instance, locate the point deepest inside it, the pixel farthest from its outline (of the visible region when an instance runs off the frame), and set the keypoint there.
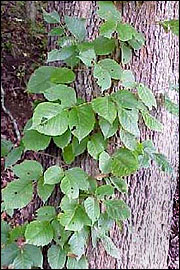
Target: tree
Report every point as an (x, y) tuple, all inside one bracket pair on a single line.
[(143, 239), (144, 242)]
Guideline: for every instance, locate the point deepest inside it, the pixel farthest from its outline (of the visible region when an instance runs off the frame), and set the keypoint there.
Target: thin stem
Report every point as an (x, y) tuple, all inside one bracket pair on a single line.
[(9, 114)]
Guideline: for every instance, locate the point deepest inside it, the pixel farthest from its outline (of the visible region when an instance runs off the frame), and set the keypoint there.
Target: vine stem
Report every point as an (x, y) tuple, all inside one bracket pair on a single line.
[(9, 114), (49, 155)]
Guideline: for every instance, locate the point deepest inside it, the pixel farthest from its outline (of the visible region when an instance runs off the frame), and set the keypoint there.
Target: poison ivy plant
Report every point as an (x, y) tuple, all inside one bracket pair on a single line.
[(15, 251), (6, 146), (88, 206)]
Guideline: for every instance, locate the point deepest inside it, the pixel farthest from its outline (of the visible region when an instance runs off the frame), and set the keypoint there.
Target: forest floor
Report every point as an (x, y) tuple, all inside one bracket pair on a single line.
[(24, 48)]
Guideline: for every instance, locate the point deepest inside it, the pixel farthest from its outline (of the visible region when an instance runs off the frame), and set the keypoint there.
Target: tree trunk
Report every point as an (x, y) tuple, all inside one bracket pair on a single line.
[(31, 10), (144, 241)]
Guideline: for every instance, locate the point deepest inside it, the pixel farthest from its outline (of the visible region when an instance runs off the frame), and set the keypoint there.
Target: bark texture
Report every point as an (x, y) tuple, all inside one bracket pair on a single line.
[(144, 242), (31, 10)]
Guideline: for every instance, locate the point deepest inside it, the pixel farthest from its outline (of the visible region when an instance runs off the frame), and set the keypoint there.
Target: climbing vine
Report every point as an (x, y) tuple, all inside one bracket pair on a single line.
[(89, 206)]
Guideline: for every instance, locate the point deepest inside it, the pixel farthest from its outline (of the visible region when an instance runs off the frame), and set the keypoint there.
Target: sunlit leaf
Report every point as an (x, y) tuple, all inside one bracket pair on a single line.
[(76, 26), (39, 233)]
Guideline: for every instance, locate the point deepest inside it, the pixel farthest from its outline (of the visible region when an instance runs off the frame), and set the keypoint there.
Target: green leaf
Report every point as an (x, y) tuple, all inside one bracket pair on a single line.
[(68, 204), (127, 79), (28, 170), (92, 209), (74, 180), (40, 79), (62, 75), (112, 67), (29, 256), (63, 140), (163, 163), (126, 53), (22, 261), (128, 139), (103, 77), (13, 156), (108, 129), (17, 232), (53, 175), (104, 162), (69, 187), (151, 122), (56, 31), (171, 106), (104, 107), (108, 11), (77, 243), (103, 45), (68, 154), (88, 57), (50, 119), (129, 120), (60, 235), (109, 246), (85, 45), (146, 95), (8, 254), (117, 209), (105, 223), (65, 41), (35, 254), (139, 149), (80, 176), (44, 112), (87, 54), (76, 26), (79, 148), (17, 194), (5, 228), (149, 147), (75, 220), (46, 213), (28, 125), (66, 95), (39, 233), (96, 145), (81, 121), (119, 184), (35, 141), (126, 99), (56, 257), (104, 190), (124, 162), (172, 25), (44, 191), (72, 61), (125, 31), (137, 41), (52, 17), (62, 54), (92, 184), (65, 219), (144, 160), (74, 264), (6, 147), (107, 28)]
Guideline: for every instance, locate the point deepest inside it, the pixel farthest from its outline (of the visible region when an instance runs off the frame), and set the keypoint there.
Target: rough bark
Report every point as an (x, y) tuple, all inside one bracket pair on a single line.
[(31, 10), (144, 241)]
